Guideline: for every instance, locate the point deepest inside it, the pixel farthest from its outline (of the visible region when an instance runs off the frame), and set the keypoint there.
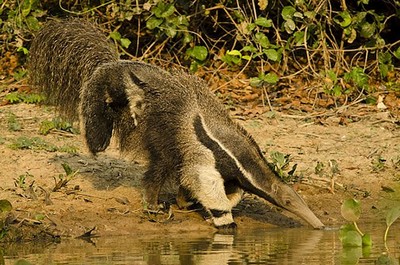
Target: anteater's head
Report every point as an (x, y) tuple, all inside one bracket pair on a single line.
[(284, 196)]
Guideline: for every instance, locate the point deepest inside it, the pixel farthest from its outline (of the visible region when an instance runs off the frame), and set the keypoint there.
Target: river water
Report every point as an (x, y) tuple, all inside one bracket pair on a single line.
[(258, 246)]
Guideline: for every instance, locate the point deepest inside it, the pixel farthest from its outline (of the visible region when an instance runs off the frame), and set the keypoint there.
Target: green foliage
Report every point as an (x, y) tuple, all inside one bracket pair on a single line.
[(5, 206), (36, 143), (198, 55), (280, 163), (357, 78), (13, 123), (63, 179), (56, 123), (392, 215), (115, 35), (263, 79), (20, 182), (351, 236), (346, 45), (29, 98)]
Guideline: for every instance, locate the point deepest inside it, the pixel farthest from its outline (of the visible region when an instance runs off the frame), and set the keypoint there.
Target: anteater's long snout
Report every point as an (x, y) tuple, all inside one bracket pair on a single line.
[(288, 199)]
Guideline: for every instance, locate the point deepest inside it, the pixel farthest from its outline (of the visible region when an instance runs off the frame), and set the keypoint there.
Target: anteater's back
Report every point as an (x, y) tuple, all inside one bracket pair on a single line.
[(63, 55)]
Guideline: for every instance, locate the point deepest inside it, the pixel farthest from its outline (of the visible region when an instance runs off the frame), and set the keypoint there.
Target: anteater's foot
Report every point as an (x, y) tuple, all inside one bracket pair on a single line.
[(160, 213), (227, 229)]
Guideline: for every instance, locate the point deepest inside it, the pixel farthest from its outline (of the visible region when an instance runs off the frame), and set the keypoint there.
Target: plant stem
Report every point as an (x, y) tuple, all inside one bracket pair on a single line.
[(385, 237), (358, 229)]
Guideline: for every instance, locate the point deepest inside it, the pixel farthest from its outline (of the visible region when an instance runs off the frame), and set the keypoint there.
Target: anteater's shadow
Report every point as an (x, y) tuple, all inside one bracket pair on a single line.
[(109, 172)]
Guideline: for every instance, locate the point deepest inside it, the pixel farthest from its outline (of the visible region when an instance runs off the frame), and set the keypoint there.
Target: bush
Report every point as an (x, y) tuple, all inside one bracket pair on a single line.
[(337, 42)]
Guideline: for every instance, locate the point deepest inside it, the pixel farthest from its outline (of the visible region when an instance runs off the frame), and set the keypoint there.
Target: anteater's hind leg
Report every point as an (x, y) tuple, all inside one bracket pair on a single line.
[(207, 186)]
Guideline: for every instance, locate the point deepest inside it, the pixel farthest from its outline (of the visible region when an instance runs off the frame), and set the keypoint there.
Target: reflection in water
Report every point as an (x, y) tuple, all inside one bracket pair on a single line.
[(267, 246)]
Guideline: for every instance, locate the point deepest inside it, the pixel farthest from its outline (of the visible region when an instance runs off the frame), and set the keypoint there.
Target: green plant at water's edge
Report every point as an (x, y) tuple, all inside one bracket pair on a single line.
[(351, 236)]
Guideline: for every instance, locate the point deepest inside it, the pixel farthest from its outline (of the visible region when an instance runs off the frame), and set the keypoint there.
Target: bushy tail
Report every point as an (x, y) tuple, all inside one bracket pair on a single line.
[(63, 56)]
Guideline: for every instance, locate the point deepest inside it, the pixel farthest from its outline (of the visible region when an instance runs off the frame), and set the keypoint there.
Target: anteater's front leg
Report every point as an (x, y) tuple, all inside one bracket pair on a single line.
[(206, 185)]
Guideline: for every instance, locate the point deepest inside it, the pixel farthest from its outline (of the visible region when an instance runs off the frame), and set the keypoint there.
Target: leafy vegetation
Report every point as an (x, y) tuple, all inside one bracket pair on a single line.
[(63, 179), (347, 45), (13, 123), (56, 124), (37, 143), (280, 164), (351, 236), (30, 98)]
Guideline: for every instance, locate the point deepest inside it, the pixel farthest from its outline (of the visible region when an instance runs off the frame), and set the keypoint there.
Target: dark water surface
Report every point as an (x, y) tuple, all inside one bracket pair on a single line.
[(262, 246)]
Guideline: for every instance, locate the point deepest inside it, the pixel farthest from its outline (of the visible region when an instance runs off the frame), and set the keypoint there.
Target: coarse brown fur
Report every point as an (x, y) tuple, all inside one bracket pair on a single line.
[(172, 117), (63, 56)]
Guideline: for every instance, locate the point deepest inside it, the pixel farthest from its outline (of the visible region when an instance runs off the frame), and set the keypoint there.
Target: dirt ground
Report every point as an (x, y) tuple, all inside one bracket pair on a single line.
[(104, 197)]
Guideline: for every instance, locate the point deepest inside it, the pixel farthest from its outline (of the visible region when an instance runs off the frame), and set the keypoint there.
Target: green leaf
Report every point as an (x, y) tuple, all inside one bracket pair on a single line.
[(199, 53), (154, 22), (290, 26), (234, 53), (392, 215), (298, 15), (384, 69), (299, 38), (271, 78), (26, 7), (396, 53), (351, 210), (163, 10), (351, 239), (262, 39), (332, 76), (367, 30), (256, 82), (272, 54), (343, 19), (287, 12), (68, 170), (39, 217), (187, 38), (170, 31), (32, 23), (366, 240), (115, 35), (5, 206), (23, 50), (194, 65), (357, 77), (125, 42), (263, 22), (251, 48)]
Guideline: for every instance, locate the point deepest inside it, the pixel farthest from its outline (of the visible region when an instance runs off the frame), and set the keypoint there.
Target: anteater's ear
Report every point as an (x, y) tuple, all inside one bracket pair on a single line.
[(95, 114)]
